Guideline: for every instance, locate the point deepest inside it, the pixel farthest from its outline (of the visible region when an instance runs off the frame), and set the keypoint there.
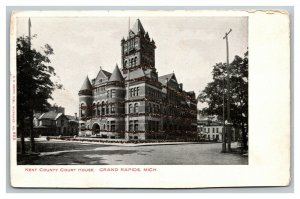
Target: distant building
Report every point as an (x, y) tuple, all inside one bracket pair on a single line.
[(136, 104), (210, 129), (54, 124)]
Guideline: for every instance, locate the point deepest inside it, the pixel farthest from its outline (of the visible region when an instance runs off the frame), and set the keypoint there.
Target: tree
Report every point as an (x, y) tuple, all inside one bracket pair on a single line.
[(34, 84), (213, 93)]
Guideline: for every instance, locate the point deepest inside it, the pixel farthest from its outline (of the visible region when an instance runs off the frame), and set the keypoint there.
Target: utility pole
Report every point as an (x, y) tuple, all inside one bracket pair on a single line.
[(29, 33), (224, 129), (32, 144), (228, 92)]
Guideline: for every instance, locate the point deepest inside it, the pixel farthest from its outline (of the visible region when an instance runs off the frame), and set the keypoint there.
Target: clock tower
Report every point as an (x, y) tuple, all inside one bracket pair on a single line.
[(138, 50)]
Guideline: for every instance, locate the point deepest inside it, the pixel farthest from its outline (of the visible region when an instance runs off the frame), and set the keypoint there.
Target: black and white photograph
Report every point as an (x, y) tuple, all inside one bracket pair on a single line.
[(132, 90), (149, 99)]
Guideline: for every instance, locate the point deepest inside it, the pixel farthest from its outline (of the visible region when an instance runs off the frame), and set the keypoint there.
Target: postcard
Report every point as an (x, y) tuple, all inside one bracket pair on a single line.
[(150, 99)]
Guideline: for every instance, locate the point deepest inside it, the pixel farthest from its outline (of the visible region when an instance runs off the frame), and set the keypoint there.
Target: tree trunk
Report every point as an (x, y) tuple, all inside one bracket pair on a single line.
[(22, 132), (32, 144), (244, 134)]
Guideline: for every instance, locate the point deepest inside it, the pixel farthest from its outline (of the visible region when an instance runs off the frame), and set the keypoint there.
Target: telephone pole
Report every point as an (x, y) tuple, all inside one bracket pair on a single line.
[(228, 92), (223, 132)]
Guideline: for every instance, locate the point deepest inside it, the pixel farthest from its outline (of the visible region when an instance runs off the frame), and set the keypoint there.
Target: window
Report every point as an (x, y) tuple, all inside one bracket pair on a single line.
[(135, 61), (107, 94), (98, 108), (134, 94), (112, 108), (137, 91), (213, 130), (150, 108), (131, 92), (82, 110), (102, 108), (125, 63), (130, 108), (217, 130), (130, 126), (113, 126), (136, 108), (107, 109), (136, 125), (107, 125), (113, 93), (131, 62), (209, 130)]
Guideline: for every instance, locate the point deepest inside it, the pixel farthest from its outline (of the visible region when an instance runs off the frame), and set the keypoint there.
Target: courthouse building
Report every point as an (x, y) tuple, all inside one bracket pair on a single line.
[(134, 102)]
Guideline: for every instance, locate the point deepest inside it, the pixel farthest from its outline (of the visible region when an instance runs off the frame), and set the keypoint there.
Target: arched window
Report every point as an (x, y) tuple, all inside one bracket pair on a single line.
[(131, 62), (82, 110), (98, 108), (102, 108), (135, 60), (107, 108), (130, 108), (136, 108), (134, 92), (112, 110)]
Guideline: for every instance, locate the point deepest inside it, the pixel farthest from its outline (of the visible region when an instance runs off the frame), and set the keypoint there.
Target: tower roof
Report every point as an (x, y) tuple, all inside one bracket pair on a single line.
[(163, 78), (137, 27), (86, 84), (116, 75)]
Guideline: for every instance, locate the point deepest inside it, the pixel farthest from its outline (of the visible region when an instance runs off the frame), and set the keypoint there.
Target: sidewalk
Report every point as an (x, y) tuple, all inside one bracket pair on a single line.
[(115, 142)]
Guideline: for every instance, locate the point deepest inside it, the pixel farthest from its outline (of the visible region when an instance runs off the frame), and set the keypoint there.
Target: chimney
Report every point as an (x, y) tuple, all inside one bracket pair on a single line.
[(75, 116)]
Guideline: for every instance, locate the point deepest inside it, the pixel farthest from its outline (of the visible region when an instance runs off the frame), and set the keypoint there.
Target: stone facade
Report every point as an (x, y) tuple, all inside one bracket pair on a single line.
[(136, 103)]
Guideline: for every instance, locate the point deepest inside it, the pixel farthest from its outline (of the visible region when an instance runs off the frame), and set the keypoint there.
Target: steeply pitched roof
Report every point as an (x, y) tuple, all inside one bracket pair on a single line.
[(137, 27), (135, 74), (86, 84), (72, 118), (108, 74), (162, 79), (116, 75), (102, 76), (37, 115), (50, 115)]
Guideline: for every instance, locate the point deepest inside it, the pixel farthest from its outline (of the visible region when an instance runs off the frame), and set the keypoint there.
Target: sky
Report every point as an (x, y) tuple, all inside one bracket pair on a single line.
[(187, 46)]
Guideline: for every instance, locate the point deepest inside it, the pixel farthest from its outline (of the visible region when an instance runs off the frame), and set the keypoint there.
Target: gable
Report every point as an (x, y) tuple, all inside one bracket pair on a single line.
[(102, 76)]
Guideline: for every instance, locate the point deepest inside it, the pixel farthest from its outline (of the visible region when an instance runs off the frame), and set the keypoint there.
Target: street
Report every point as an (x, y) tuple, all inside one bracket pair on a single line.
[(56, 152)]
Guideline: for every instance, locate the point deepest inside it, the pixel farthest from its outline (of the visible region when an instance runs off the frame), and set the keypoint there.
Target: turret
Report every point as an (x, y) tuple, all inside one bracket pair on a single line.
[(85, 99), (86, 88), (115, 95), (116, 76)]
